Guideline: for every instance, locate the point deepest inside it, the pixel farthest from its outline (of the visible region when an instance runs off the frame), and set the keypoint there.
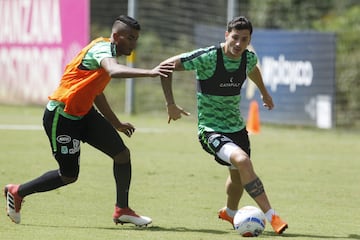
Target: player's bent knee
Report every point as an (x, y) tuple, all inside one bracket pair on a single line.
[(69, 180), (123, 157), (240, 160)]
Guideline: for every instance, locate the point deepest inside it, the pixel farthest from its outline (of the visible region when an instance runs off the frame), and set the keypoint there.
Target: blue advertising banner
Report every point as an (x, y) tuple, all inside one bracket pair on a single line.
[(298, 69)]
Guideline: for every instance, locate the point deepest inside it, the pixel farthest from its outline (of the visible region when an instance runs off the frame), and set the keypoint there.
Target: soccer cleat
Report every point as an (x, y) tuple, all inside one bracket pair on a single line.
[(224, 216), (127, 215), (13, 202), (278, 225)]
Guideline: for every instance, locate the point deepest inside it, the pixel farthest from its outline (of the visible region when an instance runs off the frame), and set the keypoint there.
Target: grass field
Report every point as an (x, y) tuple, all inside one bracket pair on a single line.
[(311, 177)]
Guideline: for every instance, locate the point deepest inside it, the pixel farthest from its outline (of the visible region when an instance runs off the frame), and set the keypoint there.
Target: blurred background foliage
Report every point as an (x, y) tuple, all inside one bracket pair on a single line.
[(168, 29)]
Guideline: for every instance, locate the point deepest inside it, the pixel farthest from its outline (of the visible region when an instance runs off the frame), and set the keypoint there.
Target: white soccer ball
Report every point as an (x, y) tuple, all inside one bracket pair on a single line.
[(249, 221)]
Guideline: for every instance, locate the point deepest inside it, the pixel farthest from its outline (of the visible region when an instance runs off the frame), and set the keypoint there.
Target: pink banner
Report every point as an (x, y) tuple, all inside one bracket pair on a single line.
[(37, 39)]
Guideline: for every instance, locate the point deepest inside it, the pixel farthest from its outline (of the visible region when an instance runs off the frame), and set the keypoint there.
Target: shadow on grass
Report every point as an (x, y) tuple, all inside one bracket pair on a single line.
[(151, 228), (312, 236), (184, 229)]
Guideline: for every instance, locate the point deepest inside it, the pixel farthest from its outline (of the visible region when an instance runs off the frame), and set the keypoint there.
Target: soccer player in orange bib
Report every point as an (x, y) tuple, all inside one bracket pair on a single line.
[(70, 117)]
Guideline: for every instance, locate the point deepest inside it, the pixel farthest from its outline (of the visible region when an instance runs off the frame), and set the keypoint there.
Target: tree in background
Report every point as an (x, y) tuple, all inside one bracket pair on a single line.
[(347, 28)]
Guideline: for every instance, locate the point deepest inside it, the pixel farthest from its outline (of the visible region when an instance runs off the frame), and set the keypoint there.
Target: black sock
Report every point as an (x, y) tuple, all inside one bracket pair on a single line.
[(122, 174), (48, 181)]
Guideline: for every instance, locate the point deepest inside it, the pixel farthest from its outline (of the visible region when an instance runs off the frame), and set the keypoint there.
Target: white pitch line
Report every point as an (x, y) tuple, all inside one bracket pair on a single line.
[(20, 127), (39, 127)]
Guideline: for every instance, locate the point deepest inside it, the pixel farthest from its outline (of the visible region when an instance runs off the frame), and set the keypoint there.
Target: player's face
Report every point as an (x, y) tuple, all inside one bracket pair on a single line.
[(126, 41), (236, 42)]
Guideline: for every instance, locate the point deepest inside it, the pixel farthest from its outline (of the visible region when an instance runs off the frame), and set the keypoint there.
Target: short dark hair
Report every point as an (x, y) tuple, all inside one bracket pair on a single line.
[(240, 23), (131, 22)]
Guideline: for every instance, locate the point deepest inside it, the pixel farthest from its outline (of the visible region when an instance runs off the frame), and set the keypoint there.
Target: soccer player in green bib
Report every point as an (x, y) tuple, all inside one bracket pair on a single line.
[(220, 73)]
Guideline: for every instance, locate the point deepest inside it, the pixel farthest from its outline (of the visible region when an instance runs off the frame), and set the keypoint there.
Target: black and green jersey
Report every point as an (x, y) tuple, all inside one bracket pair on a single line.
[(219, 81)]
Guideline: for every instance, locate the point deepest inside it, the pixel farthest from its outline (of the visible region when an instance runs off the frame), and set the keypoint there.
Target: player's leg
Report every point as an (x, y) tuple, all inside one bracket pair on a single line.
[(255, 188), (240, 158), (250, 180), (234, 191), (55, 125), (234, 150), (101, 135), (238, 154), (15, 193), (64, 138), (212, 143)]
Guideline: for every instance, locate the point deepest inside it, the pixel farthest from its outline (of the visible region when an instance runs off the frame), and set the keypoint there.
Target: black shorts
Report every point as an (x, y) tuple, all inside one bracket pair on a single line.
[(66, 134), (213, 141)]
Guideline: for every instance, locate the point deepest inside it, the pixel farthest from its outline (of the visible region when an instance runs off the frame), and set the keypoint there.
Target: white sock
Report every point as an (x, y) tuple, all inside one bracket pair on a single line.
[(269, 214), (231, 212)]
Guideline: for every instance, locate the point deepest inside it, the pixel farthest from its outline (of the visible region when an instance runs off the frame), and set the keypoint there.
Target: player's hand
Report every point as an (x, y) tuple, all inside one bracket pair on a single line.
[(268, 102), (163, 69), (127, 128), (175, 112)]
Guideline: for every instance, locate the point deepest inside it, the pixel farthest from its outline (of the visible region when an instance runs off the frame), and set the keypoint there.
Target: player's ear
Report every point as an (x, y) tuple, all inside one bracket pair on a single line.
[(115, 36), (226, 34)]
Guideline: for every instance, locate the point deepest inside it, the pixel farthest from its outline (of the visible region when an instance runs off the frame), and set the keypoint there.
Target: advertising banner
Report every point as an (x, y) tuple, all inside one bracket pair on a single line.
[(298, 69), (37, 39)]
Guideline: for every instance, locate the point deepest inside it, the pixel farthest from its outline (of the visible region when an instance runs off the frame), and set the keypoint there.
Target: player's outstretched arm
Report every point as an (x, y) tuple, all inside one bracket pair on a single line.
[(174, 111), (103, 106), (117, 70), (255, 76)]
